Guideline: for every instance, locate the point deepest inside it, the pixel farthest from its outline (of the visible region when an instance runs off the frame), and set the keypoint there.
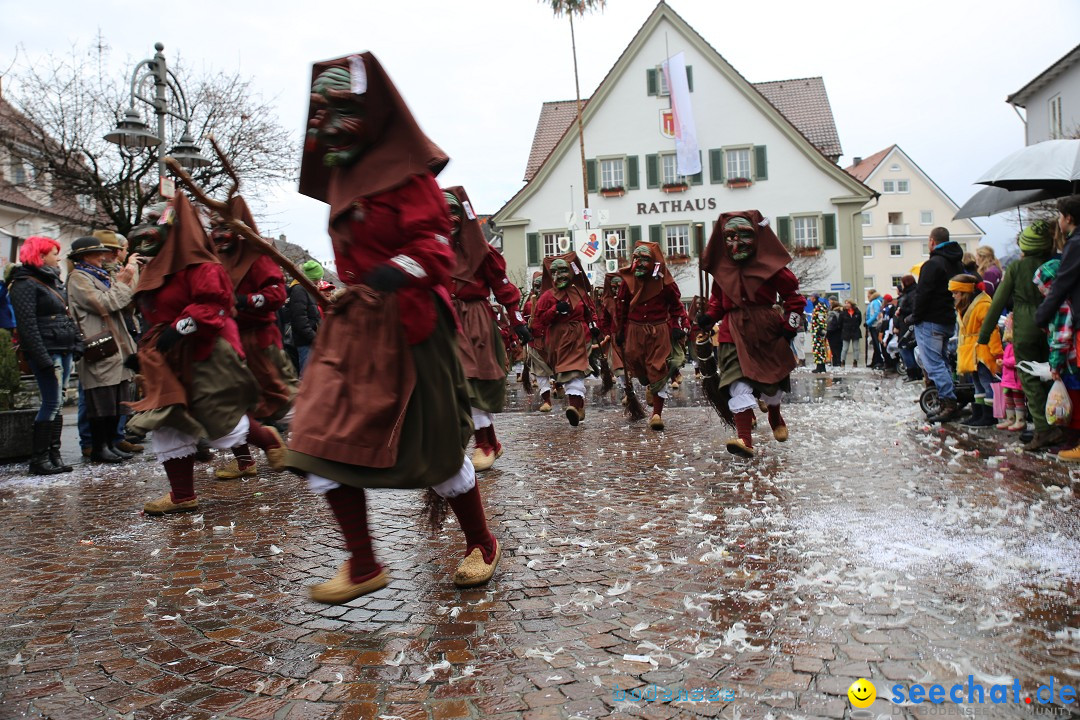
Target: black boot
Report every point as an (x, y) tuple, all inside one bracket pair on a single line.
[(975, 417), (820, 368), (39, 460), (111, 441), (101, 432), (56, 430), (949, 411)]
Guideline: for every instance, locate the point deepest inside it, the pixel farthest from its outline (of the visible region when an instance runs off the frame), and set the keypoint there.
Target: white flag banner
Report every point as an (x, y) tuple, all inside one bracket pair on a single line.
[(687, 157)]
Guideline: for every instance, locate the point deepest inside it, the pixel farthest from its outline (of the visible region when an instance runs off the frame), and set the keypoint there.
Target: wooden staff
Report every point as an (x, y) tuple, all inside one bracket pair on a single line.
[(260, 244)]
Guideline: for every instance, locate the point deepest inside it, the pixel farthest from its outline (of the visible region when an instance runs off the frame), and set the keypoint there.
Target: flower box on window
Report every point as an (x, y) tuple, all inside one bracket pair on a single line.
[(613, 191), (808, 251), (678, 259), (674, 187), (739, 182)]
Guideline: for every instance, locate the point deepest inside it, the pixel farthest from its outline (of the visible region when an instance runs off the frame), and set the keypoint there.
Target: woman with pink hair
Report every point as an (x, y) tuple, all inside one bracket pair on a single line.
[(49, 339)]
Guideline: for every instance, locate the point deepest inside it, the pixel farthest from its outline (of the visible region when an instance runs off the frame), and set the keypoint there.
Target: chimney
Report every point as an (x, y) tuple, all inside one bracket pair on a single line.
[(856, 160)]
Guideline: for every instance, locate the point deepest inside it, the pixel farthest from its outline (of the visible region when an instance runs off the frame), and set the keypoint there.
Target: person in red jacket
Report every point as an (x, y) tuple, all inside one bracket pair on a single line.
[(195, 382), (385, 363), (651, 323), (479, 272), (565, 318), (748, 264), (609, 328), (260, 291)]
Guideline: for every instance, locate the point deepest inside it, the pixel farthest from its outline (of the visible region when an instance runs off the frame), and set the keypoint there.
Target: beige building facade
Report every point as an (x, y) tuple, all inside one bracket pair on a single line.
[(896, 228)]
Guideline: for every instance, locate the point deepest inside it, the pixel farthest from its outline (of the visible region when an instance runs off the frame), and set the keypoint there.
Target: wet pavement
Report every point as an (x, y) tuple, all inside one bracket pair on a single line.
[(635, 562)]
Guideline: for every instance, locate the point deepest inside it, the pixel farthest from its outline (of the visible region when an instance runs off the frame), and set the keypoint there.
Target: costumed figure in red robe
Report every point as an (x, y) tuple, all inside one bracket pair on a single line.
[(607, 323), (651, 323), (195, 381), (536, 355), (479, 272), (753, 357), (566, 319), (385, 363), (260, 291)]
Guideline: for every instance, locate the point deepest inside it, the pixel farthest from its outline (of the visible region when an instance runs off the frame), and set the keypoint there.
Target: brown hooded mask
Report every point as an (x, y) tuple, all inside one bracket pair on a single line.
[(186, 245), (470, 246), (642, 289), (397, 148), (744, 279), (239, 261), (578, 279)]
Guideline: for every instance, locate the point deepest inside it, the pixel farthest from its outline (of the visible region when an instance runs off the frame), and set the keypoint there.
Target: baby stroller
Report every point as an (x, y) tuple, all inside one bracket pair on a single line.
[(964, 389)]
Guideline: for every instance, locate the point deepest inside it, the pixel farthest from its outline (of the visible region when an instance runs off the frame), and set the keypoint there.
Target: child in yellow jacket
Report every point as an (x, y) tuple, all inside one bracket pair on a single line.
[(982, 363)]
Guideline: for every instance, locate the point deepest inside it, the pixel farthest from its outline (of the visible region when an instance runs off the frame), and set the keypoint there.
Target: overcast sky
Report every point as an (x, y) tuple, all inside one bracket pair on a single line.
[(928, 75)]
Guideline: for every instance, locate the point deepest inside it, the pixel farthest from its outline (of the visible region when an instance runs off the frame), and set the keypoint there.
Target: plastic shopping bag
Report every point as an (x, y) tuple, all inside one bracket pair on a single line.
[(1058, 405)]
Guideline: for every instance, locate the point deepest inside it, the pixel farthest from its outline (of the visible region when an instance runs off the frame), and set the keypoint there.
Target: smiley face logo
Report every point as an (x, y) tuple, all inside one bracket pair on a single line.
[(862, 693)]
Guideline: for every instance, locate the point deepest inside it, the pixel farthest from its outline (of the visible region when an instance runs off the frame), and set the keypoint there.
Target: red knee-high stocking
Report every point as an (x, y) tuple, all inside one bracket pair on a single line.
[(481, 436), (493, 443), (260, 436), (744, 424), (546, 397), (576, 401), (469, 510), (775, 418), (657, 405), (350, 508), (181, 474)]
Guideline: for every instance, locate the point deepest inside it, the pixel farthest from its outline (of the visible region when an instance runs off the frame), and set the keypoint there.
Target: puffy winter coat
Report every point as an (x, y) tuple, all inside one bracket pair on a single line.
[(303, 315), (851, 324), (933, 301), (41, 315)]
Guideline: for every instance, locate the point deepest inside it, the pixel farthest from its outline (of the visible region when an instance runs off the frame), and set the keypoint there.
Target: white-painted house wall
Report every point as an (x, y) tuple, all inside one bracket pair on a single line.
[(627, 122), (1067, 86)]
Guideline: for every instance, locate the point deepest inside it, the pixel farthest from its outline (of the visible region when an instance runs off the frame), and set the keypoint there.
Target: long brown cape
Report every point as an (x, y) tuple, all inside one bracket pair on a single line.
[(739, 280)]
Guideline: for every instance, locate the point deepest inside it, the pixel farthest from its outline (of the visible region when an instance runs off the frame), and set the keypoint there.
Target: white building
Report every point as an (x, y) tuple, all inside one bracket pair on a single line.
[(897, 227), (1052, 101), (768, 146)]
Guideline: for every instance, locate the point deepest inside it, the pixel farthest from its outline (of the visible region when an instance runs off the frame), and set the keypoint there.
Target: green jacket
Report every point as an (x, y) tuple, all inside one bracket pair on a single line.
[(1019, 289)]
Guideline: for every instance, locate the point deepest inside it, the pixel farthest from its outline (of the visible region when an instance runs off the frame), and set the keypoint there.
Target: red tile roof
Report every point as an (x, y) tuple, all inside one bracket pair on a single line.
[(802, 101), (863, 169)]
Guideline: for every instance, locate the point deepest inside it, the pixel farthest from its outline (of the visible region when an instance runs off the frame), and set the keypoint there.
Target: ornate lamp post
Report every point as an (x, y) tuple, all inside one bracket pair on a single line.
[(132, 134)]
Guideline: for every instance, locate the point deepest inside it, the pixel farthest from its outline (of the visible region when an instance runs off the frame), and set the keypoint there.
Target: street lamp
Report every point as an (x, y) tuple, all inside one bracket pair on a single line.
[(132, 134)]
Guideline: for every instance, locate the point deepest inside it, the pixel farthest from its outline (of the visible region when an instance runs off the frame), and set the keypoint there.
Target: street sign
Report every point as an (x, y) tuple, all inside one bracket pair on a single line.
[(167, 187), (840, 287)]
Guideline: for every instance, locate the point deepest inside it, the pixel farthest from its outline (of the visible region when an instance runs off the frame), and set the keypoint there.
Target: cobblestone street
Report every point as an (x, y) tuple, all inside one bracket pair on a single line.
[(867, 546)]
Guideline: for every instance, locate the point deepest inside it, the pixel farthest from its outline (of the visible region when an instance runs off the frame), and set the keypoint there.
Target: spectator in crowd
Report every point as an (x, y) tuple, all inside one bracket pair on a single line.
[(49, 339), (834, 331), (902, 327), (873, 325), (819, 326), (1067, 284), (1018, 290), (989, 268), (304, 316), (851, 333), (97, 301), (887, 341), (981, 363), (935, 318)]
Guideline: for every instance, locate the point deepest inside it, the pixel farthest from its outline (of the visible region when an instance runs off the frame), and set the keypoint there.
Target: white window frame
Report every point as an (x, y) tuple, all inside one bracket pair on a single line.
[(623, 231), (926, 249), (868, 281), (867, 219), (899, 281), (661, 82), (806, 242), (732, 153), (922, 217), (1054, 114), (677, 179), (615, 170), (897, 246), (668, 227), (552, 237), (870, 247), (903, 187), (888, 187), (895, 167)]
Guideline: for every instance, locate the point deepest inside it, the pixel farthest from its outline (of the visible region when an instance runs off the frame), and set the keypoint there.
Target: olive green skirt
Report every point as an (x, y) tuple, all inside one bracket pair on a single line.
[(436, 429), (729, 370), (490, 395)]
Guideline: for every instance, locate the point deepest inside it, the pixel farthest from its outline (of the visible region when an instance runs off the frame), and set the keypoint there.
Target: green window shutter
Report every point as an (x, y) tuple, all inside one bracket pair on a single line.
[(783, 230), (632, 172), (716, 166), (699, 177), (532, 242), (830, 231), (650, 81), (652, 171), (690, 77), (635, 236), (761, 163), (654, 235), (590, 174), (699, 239)]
